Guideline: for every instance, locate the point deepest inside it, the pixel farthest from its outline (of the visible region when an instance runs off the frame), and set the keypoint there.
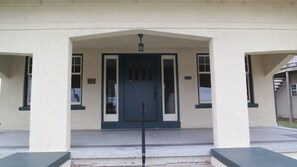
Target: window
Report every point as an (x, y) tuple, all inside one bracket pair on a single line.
[(76, 80), (111, 80), (294, 90), (28, 81), (169, 94), (204, 81), (76, 83)]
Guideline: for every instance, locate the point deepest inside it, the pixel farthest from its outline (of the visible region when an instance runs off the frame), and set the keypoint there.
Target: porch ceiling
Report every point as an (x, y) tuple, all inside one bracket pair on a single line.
[(131, 41)]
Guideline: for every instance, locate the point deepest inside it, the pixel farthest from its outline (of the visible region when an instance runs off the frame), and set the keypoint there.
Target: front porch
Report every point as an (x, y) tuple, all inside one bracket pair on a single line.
[(169, 143)]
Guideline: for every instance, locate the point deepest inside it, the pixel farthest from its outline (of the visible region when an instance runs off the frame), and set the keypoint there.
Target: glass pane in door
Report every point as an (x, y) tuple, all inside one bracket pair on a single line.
[(169, 86)]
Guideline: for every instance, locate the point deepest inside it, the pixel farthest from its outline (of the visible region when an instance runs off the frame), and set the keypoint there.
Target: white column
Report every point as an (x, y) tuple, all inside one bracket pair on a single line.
[(229, 97), (50, 100)]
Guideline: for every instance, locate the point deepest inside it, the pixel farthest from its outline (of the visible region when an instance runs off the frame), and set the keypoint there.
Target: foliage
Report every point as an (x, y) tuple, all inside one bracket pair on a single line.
[(286, 123)]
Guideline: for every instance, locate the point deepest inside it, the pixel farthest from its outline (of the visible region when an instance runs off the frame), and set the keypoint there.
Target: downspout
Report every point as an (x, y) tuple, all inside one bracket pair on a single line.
[(289, 96)]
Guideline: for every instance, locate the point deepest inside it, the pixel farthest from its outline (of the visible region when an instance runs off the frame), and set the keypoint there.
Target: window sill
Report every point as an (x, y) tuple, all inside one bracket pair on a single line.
[(250, 105), (77, 107), (73, 107), (25, 108)]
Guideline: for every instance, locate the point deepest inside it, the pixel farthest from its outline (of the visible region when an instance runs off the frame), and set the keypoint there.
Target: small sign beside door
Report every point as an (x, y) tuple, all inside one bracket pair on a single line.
[(91, 80)]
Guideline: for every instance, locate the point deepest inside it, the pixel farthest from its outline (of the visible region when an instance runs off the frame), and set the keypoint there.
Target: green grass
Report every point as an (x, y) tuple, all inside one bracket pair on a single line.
[(286, 123)]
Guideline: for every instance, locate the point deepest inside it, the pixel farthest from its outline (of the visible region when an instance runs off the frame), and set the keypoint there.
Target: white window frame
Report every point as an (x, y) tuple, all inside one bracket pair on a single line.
[(169, 116), (293, 90), (202, 72), (111, 117), (77, 73)]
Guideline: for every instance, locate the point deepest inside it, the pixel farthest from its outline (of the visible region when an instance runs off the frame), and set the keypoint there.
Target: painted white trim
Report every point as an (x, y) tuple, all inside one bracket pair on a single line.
[(293, 90), (198, 78), (111, 117), (80, 73), (171, 116)]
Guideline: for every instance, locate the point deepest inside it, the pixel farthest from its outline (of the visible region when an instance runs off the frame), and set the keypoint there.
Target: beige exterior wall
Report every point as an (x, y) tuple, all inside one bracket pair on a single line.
[(90, 118), (11, 97), (189, 116), (46, 29)]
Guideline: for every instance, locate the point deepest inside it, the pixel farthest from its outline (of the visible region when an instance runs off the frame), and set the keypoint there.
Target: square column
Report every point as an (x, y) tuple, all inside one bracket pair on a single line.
[(229, 97), (50, 100)]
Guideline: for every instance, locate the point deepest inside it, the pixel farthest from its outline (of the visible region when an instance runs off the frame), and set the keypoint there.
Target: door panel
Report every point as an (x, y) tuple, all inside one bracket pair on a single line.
[(141, 82)]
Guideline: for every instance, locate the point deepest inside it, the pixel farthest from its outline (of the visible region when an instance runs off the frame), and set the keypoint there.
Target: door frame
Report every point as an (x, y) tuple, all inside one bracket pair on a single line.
[(119, 124)]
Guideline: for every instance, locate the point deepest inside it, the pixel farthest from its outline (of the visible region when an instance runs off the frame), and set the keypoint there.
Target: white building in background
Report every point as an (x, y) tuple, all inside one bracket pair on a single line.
[(76, 65), (286, 97)]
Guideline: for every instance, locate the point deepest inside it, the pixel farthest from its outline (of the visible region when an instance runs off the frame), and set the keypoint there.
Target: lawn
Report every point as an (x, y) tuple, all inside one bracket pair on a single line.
[(286, 123)]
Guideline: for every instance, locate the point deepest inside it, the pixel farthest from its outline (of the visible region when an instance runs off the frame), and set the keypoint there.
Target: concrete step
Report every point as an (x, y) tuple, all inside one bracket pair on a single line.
[(179, 155), (151, 161)]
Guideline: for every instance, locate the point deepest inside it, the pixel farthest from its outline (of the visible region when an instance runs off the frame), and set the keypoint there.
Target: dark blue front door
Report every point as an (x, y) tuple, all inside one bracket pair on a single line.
[(141, 83)]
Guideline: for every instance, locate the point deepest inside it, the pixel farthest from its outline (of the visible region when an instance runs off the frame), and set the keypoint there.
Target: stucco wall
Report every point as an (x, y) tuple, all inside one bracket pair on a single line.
[(12, 94), (189, 116), (264, 115), (28, 27), (91, 96), (11, 97), (5, 63)]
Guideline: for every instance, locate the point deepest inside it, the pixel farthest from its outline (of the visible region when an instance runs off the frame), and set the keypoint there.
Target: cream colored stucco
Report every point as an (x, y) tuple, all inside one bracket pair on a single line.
[(90, 118), (46, 30), (11, 97), (5, 63)]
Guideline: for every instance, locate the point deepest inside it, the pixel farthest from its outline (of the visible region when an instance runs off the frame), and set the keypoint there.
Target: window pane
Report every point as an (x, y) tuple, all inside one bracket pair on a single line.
[(111, 78), (76, 89), (206, 59), (143, 73), (201, 68), (205, 88), (77, 60), (150, 73), (207, 68), (77, 69), (136, 71), (30, 65), (130, 73), (169, 86), (201, 59)]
